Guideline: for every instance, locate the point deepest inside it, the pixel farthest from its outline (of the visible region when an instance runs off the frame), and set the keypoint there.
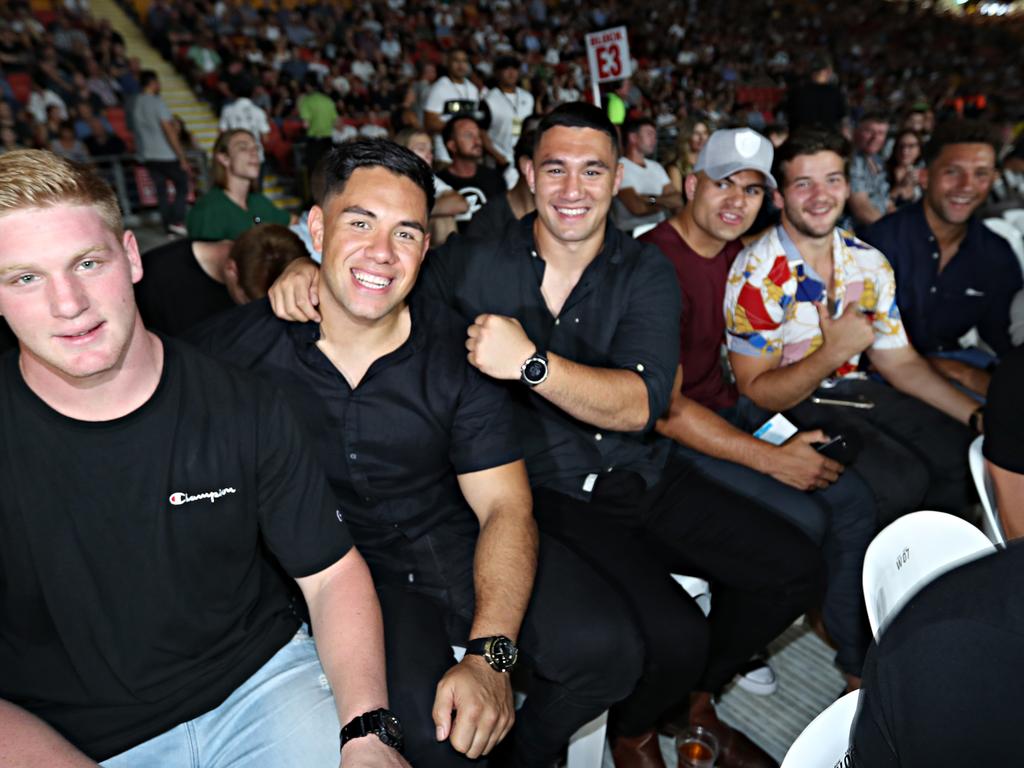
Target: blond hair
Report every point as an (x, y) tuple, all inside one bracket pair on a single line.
[(37, 178)]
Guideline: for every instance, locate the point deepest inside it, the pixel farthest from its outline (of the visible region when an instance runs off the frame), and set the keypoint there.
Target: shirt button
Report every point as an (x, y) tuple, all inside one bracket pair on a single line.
[(411, 577), (575, 319), (353, 456), (935, 255), (933, 289), (534, 254), (598, 436), (640, 367), (610, 469), (557, 321)]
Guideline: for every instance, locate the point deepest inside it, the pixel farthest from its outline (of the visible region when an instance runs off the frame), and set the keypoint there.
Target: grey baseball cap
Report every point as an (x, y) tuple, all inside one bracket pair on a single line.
[(737, 149)]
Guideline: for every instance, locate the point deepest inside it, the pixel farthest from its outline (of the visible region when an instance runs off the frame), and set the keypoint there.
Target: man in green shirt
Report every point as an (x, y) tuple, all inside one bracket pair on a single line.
[(231, 207), (319, 116)]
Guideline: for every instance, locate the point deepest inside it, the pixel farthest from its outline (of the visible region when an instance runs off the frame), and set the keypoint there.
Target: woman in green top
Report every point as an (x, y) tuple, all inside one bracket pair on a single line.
[(231, 207)]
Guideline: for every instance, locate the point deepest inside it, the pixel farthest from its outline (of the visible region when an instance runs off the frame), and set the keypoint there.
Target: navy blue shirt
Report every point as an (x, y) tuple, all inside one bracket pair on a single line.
[(394, 445), (623, 313), (974, 290)]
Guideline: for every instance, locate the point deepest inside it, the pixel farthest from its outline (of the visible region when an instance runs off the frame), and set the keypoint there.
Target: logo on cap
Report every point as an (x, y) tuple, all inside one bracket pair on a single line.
[(747, 143)]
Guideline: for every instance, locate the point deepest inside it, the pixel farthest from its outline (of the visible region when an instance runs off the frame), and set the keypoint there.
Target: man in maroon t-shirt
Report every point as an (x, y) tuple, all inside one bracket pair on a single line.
[(706, 418)]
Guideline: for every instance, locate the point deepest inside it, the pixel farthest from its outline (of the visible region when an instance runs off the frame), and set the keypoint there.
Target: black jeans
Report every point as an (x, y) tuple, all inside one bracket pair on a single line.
[(578, 639), (764, 573), (160, 171), (913, 456), (842, 519)]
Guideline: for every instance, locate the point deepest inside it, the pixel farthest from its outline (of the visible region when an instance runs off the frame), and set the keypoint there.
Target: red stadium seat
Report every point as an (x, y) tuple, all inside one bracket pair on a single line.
[(21, 85)]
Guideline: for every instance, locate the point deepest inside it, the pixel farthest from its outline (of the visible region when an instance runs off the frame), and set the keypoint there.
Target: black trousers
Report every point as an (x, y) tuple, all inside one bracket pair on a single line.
[(913, 457), (160, 172), (764, 573), (578, 639)]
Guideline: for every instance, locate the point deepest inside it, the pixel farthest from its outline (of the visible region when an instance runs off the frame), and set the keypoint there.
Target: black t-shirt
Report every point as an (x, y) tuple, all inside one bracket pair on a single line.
[(7, 339), (1004, 414), (623, 313), (492, 218), (135, 591), (175, 293), (478, 189), (394, 445), (943, 686)]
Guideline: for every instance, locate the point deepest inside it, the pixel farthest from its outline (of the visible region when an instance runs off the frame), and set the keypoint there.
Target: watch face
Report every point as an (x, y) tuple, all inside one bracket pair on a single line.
[(535, 371), (502, 654), (392, 727)]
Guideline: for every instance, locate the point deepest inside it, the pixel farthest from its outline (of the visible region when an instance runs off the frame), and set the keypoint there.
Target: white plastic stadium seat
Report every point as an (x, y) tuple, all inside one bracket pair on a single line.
[(826, 742), (909, 553), (991, 524), (1016, 217), (1011, 234)]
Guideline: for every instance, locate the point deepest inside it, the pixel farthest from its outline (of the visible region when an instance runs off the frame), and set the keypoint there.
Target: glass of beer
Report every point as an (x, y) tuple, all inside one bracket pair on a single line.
[(697, 747)]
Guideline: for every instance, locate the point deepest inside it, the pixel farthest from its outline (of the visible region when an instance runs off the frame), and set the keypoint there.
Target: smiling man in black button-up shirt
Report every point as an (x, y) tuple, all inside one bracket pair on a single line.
[(581, 324), (422, 451)]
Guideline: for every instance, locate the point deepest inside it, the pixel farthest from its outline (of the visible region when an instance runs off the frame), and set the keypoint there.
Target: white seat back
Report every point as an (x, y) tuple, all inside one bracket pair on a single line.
[(826, 742), (1016, 217), (909, 553), (1011, 234), (991, 524)]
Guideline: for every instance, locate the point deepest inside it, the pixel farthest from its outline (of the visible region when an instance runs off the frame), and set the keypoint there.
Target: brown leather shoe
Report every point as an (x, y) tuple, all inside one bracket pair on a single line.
[(735, 750), (637, 751)]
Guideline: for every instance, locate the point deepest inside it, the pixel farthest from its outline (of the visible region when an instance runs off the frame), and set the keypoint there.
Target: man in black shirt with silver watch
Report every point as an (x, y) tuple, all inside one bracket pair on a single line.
[(422, 450), (580, 323)]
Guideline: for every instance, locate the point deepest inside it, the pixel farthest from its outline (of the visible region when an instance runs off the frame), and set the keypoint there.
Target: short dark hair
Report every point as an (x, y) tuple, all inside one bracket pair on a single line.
[(579, 114), (344, 159), (261, 253), (959, 132), (146, 77), (875, 116), (809, 142), (634, 124), (525, 145), (448, 132)]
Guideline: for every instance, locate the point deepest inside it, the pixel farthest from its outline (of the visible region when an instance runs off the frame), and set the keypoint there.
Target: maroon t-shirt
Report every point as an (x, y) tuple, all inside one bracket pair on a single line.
[(702, 323)]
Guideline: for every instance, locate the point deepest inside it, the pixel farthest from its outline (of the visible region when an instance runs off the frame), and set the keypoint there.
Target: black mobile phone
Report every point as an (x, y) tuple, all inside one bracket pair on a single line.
[(836, 449), (843, 448)]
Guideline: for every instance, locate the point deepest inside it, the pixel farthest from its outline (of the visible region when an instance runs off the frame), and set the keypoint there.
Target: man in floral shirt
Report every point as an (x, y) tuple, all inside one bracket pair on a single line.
[(803, 303)]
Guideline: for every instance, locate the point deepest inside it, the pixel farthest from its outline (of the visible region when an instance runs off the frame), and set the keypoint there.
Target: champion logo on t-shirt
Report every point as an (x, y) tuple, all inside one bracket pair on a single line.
[(178, 498)]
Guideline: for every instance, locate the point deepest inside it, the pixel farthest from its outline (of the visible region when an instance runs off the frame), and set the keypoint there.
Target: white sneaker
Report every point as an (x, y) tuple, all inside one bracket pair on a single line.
[(757, 677)]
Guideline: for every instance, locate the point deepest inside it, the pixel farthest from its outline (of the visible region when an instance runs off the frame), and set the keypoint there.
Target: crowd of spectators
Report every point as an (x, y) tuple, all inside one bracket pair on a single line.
[(724, 63), (65, 82)]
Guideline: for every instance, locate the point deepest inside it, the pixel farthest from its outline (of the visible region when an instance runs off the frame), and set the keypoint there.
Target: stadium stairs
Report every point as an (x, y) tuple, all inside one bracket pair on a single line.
[(197, 115)]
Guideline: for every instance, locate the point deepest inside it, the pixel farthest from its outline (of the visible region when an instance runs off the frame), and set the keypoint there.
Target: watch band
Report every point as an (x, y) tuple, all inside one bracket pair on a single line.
[(381, 723)]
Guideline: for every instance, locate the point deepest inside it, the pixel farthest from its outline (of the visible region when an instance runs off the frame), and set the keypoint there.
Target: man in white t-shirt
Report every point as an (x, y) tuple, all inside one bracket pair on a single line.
[(243, 113), (646, 196), (450, 95), (510, 105)]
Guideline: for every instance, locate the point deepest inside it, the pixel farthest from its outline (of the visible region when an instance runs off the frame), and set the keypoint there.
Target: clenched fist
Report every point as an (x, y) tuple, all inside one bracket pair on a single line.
[(498, 346)]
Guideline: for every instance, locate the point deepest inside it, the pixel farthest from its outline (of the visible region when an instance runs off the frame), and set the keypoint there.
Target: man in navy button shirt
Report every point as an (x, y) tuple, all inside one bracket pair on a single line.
[(952, 273), (423, 453)]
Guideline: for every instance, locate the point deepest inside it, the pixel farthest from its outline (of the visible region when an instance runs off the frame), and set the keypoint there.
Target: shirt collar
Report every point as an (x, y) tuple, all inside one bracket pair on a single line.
[(611, 249)]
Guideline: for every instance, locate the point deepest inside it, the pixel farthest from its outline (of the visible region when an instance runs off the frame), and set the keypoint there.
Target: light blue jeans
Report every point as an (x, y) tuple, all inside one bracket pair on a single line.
[(281, 717)]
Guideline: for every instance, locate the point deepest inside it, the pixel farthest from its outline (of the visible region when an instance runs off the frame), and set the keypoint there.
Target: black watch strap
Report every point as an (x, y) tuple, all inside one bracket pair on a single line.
[(381, 723)]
